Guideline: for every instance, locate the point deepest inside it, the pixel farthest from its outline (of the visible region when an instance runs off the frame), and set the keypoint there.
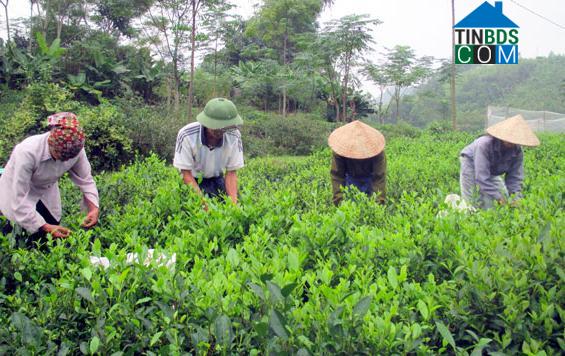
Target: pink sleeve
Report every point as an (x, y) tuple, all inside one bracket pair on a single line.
[(81, 176), (23, 207)]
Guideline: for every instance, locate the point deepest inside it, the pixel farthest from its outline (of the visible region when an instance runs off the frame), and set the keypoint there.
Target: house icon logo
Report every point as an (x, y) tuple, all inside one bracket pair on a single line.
[(486, 36)]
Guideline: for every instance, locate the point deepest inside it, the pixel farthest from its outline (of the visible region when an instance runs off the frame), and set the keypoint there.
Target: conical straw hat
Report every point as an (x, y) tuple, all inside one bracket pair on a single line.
[(514, 130), (356, 140)]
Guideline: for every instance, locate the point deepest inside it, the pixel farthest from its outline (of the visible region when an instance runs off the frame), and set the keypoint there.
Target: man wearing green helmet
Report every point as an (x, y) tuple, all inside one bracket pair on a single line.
[(210, 146)]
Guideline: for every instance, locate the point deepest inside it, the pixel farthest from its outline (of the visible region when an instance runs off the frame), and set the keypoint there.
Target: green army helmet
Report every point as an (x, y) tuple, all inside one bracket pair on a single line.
[(218, 114)]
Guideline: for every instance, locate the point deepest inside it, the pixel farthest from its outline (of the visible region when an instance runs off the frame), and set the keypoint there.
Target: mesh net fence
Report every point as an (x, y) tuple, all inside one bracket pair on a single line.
[(538, 120)]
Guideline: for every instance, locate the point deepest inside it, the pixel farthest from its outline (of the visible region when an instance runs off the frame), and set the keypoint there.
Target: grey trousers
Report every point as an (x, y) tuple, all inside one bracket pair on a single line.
[(470, 190)]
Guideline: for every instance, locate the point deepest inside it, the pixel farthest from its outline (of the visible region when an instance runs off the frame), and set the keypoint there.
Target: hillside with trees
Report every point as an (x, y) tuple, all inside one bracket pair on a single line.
[(137, 71), (534, 84)]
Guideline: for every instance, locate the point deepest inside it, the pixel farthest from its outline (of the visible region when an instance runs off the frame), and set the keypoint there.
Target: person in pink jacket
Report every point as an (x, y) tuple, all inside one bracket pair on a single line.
[(29, 191)]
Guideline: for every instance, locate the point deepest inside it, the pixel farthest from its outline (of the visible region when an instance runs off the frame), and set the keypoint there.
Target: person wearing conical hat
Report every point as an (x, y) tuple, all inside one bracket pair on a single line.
[(358, 160), (490, 157), (209, 148), (29, 192)]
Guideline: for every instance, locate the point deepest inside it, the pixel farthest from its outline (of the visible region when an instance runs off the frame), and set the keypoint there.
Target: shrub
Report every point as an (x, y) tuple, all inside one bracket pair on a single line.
[(439, 127), (151, 128), (295, 135), (30, 117), (401, 129), (108, 146)]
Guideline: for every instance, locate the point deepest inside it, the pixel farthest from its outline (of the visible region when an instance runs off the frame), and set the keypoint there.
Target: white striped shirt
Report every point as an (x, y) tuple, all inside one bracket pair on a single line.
[(193, 155)]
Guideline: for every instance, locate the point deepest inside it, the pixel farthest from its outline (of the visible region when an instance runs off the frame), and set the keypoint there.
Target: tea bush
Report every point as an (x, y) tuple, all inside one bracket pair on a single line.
[(293, 135), (286, 272), (108, 145)]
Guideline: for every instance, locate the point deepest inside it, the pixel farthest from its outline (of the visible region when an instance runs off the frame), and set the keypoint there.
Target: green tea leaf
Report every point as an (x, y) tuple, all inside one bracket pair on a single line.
[(96, 246), (155, 338), (561, 343), (392, 277), (305, 341), (84, 348), (257, 290), (478, 350), (288, 289), (334, 318), (266, 277), (64, 349), (423, 308), (293, 263), (87, 273), (28, 330), (403, 274), (275, 292), (473, 335), (544, 233), (233, 257), (85, 293), (94, 344), (348, 294), (261, 328), (143, 300), (445, 333), (276, 322), (362, 306), (223, 330)]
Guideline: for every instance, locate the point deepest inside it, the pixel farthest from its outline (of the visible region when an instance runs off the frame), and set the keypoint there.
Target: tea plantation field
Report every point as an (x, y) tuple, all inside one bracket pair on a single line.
[(286, 272)]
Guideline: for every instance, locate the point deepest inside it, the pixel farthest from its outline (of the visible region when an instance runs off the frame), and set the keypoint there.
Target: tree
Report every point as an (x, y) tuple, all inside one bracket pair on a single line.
[(30, 34), (4, 3), (214, 22), (342, 44), (167, 30), (309, 83), (279, 25), (35, 68), (405, 70), (61, 12), (117, 16), (198, 8), (256, 80), (377, 74)]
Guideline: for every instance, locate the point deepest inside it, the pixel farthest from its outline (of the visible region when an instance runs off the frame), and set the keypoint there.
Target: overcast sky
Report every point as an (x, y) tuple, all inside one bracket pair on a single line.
[(425, 25)]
